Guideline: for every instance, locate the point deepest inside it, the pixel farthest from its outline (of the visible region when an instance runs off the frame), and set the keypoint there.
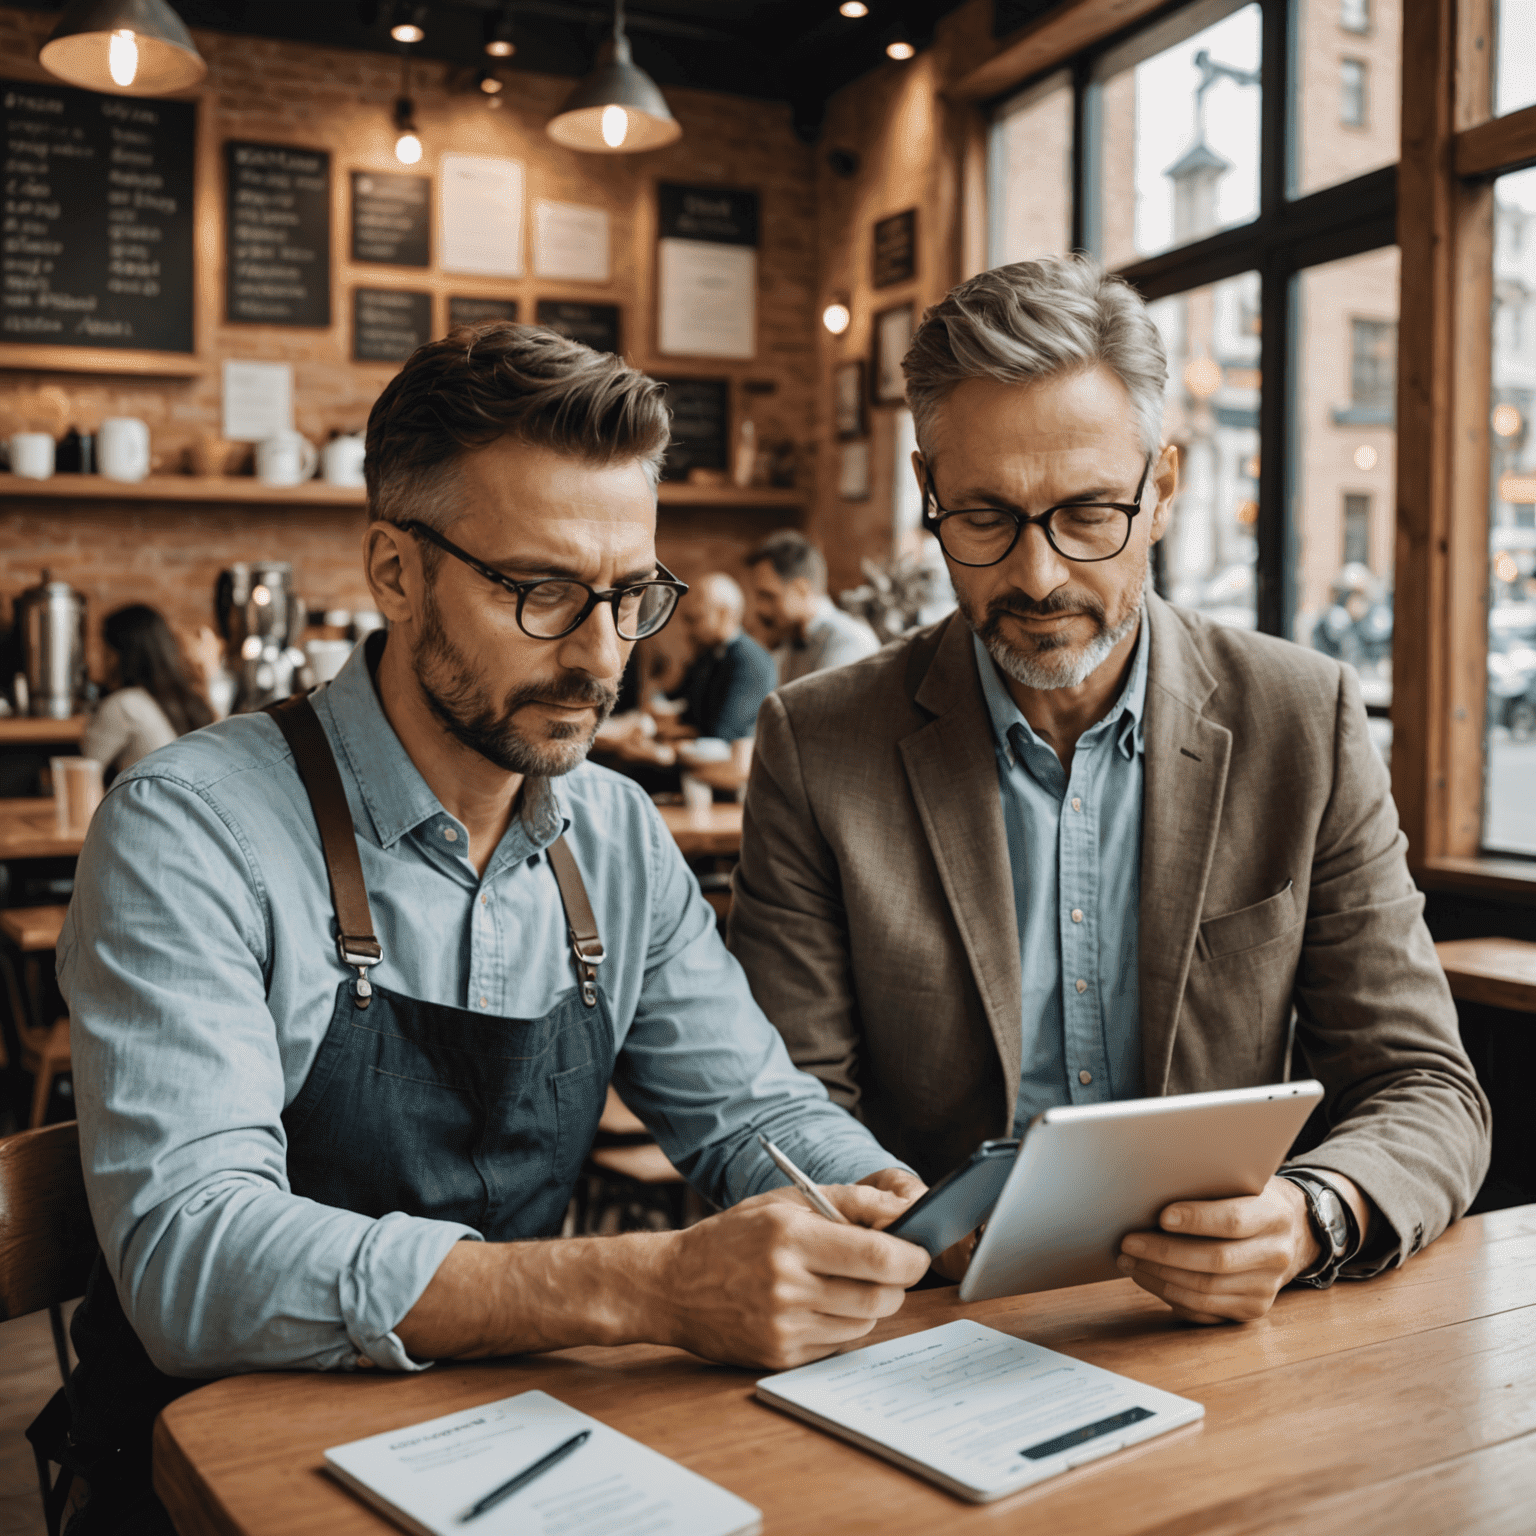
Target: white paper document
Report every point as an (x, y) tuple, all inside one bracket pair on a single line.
[(570, 241), (482, 214), (426, 1477), (708, 299), (979, 1412), (258, 401)]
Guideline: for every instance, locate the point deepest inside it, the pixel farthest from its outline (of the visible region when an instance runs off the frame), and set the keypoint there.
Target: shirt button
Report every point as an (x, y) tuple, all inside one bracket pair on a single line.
[(483, 898), (484, 1002), (1077, 804), (1081, 985), (1077, 914), (451, 834), (1085, 1078)]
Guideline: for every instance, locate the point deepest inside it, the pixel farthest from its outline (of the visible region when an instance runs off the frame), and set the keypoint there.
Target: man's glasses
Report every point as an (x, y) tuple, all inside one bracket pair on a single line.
[(554, 606), (1076, 530)]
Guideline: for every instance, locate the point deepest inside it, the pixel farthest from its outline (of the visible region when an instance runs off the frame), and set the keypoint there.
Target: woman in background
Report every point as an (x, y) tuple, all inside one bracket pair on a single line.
[(154, 698)]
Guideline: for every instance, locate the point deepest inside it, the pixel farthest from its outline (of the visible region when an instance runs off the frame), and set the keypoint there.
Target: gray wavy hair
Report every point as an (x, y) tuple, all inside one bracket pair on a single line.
[(1029, 321)]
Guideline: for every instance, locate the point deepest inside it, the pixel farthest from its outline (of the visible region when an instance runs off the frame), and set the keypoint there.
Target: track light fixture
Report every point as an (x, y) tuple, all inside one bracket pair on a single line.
[(497, 28)]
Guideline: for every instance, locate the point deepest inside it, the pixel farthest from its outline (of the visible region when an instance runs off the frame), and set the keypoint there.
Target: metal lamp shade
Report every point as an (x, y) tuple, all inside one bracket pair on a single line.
[(615, 82), (77, 52)]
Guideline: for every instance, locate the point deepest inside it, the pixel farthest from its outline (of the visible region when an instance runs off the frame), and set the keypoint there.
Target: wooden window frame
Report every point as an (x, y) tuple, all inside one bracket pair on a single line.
[(1451, 153)]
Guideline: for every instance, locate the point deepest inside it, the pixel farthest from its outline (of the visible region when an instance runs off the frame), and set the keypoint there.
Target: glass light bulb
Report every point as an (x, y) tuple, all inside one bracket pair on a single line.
[(407, 32), (490, 85), (500, 48), (900, 50), (407, 149), (615, 126), (123, 57), (853, 9), (836, 318)]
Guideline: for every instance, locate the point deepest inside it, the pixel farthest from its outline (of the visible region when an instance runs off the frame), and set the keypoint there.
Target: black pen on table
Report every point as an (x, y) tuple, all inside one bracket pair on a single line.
[(526, 1476)]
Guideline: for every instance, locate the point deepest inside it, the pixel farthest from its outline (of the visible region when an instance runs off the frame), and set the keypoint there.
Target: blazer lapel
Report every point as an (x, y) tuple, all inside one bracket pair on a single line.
[(1185, 765), (952, 770)]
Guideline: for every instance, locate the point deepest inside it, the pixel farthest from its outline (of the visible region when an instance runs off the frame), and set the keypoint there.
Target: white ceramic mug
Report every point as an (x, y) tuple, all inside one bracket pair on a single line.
[(285, 458), (32, 455), (341, 461), (122, 448)]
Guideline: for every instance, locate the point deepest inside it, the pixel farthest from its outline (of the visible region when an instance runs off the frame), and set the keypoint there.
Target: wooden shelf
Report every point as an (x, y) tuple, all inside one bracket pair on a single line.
[(36, 730), (677, 493), (246, 489)]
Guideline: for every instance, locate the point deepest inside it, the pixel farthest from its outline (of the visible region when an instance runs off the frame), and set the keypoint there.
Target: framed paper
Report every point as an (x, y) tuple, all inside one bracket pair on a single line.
[(482, 215), (853, 470), (848, 398), (893, 258), (570, 240), (893, 335)]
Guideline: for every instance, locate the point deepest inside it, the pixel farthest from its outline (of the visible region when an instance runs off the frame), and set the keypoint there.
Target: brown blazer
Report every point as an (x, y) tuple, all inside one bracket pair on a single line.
[(874, 912)]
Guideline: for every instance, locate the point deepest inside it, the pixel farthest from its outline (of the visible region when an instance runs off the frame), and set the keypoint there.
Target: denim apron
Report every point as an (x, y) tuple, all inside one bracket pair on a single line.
[(409, 1106)]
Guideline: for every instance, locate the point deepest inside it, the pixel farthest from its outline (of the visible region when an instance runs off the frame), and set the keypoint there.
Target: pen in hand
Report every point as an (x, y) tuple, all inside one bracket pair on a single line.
[(802, 1183), (526, 1476)]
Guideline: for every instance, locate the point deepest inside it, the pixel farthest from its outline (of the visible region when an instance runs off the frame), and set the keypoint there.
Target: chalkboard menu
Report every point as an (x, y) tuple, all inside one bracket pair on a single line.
[(278, 223), (895, 249), (467, 311), (391, 219), (724, 215), (388, 324), (701, 416), (595, 325), (98, 219)]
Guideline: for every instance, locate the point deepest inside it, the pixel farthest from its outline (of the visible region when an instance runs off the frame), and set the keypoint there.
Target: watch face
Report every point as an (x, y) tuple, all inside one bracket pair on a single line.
[(1332, 1211)]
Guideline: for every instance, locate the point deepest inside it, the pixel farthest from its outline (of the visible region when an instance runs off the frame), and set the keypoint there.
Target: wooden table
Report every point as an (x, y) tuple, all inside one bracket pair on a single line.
[(715, 830), (27, 831), (1404, 1405), (40, 731)]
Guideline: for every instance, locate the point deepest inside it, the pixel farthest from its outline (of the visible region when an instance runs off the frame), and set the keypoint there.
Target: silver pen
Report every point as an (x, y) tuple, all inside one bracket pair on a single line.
[(802, 1183)]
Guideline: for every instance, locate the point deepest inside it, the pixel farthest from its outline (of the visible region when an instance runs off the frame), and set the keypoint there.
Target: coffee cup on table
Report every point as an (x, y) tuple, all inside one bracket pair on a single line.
[(285, 458), (76, 793), (32, 455), (122, 448)]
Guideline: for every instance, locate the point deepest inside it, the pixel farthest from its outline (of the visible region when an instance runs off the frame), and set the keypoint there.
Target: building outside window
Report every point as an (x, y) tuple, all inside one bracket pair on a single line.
[(1352, 93), (1355, 15), (1357, 529), (1373, 369)]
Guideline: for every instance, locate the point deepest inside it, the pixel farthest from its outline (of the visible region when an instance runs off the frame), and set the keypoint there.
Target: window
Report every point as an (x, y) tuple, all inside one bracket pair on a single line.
[(1357, 530), (1352, 93), (1031, 170), (1514, 80), (1355, 15), (1373, 368)]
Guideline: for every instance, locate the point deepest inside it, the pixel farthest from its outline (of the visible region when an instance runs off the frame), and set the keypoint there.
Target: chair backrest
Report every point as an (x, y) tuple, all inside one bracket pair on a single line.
[(47, 1242)]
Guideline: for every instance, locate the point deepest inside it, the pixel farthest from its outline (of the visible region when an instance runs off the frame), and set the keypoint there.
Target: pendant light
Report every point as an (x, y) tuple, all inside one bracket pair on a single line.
[(408, 142), (126, 47), (618, 109)]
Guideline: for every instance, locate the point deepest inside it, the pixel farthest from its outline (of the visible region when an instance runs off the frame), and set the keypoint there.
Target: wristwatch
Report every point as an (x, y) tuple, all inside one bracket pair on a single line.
[(1333, 1224)]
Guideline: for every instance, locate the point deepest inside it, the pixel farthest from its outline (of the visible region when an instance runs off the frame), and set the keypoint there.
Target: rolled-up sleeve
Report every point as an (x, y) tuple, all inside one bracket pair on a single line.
[(179, 1082), (706, 1071)]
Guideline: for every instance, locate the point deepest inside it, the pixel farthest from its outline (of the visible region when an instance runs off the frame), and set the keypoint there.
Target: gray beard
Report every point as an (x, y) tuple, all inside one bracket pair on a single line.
[(1051, 664)]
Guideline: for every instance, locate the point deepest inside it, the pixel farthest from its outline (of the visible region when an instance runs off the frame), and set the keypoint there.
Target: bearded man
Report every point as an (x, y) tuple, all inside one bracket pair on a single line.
[(348, 981), (1073, 845)]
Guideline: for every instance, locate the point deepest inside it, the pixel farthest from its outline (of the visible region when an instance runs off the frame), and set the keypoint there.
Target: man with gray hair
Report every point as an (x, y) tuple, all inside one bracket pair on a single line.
[(1072, 845)]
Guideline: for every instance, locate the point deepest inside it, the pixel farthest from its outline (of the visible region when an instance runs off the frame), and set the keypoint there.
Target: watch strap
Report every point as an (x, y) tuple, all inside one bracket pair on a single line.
[(1335, 1254)]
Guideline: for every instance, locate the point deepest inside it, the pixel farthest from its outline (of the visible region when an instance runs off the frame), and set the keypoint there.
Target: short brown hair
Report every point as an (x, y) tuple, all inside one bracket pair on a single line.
[(791, 554), (484, 382)]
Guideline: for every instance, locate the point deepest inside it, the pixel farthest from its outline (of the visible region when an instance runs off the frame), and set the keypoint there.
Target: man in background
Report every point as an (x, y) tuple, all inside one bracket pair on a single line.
[(789, 596), (730, 674)]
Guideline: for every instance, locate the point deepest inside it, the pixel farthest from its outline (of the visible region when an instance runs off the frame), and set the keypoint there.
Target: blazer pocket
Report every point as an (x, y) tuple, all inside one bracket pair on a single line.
[(1249, 927)]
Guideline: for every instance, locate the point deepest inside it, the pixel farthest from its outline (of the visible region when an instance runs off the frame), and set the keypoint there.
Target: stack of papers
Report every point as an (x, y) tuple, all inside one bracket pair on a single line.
[(979, 1412), (428, 1476)]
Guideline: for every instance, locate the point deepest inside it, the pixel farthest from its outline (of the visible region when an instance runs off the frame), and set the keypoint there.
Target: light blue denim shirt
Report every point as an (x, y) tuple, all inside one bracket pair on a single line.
[(200, 968), (1074, 847)]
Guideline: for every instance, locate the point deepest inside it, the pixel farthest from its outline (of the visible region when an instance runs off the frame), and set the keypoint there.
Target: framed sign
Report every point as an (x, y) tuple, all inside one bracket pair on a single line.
[(706, 271), (388, 324), (893, 335), (277, 224), (392, 218), (848, 398), (464, 310), (701, 423), (894, 258), (594, 325)]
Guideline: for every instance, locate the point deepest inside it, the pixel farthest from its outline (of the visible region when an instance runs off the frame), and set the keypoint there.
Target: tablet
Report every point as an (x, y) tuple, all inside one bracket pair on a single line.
[(1089, 1173)]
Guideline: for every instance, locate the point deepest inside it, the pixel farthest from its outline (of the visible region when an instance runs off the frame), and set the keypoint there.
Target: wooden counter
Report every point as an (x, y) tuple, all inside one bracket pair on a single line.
[(39, 731)]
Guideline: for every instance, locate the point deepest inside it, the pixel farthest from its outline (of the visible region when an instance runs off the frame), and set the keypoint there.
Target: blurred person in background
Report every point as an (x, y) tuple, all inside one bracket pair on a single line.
[(154, 696), (789, 597), (730, 674)]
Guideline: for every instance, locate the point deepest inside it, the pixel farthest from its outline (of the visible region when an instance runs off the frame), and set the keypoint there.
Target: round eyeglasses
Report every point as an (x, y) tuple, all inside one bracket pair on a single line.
[(554, 606), (1076, 530)]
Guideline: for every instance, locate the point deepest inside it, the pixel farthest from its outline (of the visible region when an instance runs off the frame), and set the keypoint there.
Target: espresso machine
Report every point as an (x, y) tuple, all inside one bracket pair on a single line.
[(261, 618), (50, 620)]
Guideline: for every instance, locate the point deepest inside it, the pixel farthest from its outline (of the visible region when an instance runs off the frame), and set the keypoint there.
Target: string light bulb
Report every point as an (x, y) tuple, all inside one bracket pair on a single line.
[(853, 9), (837, 317), (900, 50), (490, 83), (498, 34), (408, 142), (413, 29)]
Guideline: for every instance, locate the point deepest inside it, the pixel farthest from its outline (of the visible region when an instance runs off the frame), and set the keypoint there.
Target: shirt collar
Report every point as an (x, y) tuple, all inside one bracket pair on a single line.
[(1124, 723), (397, 797)]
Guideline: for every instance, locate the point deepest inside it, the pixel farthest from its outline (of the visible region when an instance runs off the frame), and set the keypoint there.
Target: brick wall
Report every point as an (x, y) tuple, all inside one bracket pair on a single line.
[(291, 93)]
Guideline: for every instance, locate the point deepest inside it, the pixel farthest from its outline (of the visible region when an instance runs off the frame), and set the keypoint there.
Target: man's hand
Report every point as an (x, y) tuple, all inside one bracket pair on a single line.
[(955, 1260), (772, 1283), (1217, 1261)]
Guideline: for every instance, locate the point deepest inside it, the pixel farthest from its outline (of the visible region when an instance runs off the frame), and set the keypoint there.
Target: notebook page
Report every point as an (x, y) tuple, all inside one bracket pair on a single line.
[(426, 1476), (978, 1408)]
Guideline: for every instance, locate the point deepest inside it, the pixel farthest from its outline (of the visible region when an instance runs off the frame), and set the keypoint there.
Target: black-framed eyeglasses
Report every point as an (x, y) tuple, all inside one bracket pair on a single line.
[(1076, 530), (551, 607)]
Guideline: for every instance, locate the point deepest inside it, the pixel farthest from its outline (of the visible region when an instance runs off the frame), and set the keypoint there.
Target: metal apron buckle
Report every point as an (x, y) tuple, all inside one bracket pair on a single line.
[(588, 955), (360, 960)]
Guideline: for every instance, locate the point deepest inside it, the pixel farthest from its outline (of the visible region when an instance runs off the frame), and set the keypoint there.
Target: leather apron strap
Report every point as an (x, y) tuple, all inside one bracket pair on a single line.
[(355, 942)]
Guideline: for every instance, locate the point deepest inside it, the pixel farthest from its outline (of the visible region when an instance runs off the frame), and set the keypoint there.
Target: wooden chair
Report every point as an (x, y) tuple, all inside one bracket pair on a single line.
[(47, 1246), (29, 932)]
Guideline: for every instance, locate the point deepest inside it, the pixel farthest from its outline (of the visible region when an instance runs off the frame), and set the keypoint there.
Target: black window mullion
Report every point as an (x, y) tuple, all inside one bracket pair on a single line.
[(1277, 538)]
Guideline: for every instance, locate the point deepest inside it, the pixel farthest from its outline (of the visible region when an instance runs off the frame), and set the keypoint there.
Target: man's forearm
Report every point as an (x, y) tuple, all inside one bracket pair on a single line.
[(520, 1298)]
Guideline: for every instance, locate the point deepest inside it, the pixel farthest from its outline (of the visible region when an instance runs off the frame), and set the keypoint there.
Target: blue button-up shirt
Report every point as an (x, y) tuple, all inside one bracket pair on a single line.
[(1074, 847), (200, 968)]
